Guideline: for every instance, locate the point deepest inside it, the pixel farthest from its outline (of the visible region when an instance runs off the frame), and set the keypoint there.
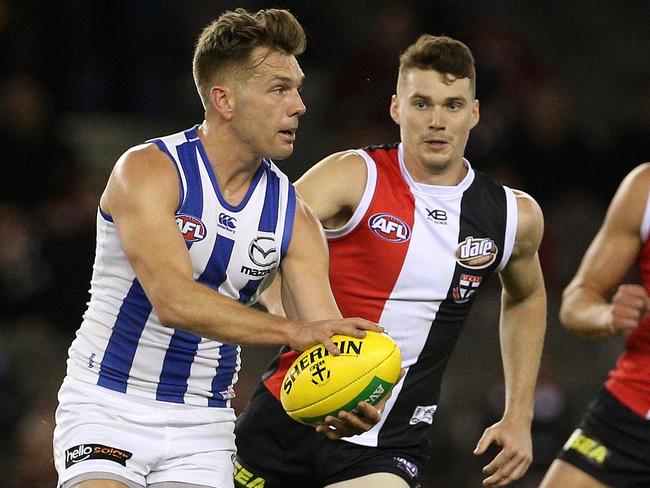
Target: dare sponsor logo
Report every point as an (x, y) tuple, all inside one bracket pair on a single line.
[(191, 227), (476, 252), (389, 227), (85, 452)]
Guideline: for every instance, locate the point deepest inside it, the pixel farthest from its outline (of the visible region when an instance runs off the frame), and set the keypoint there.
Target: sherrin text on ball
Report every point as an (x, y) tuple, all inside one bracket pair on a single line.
[(319, 384)]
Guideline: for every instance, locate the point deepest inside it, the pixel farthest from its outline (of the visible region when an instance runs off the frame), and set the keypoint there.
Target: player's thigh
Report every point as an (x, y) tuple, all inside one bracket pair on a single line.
[(100, 484), (117, 484), (174, 484), (376, 480), (562, 473)]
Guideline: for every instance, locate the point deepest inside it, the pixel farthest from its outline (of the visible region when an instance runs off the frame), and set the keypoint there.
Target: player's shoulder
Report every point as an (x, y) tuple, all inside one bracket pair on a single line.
[(526, 203), (144, 162), (147, 155), (143, 171), (530, 223), (641, 171), (638, 179), (336, 169), (628, 204), (342, 161)]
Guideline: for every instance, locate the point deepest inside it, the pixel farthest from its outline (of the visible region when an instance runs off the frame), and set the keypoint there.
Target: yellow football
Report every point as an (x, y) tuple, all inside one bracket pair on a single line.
[(318, 384)]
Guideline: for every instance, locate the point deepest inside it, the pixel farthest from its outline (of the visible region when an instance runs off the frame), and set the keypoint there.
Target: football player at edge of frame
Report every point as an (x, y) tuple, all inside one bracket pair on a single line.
[(413, 233), (611, 445)]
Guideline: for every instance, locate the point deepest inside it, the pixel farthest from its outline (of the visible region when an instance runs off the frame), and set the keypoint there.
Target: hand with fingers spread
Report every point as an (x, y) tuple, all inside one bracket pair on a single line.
[(516, 451), (311, 333), (630, 305), (364, 418)]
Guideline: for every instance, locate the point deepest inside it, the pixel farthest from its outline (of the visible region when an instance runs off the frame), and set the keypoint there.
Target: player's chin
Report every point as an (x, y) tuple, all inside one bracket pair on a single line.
[(283, 151), (437, 161)]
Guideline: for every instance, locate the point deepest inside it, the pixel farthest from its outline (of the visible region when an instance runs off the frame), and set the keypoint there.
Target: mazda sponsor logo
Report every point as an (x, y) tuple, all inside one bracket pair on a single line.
[(262, 251)]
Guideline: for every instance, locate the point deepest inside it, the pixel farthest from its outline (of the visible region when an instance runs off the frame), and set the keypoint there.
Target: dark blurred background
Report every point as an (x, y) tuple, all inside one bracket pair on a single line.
[(565, 114)]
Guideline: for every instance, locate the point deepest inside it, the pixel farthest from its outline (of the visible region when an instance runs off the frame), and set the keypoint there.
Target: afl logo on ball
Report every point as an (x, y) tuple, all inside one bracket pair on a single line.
[(476, 253), (389, 227), (191, 227)]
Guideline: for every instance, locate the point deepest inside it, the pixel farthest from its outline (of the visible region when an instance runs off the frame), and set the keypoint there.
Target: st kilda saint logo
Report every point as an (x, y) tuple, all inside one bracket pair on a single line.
[(467, 286), (319, 373), (191, 227)]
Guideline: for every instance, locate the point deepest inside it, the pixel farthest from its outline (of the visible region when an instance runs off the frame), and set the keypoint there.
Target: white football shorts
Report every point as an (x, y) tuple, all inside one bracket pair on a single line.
[(140, 441)]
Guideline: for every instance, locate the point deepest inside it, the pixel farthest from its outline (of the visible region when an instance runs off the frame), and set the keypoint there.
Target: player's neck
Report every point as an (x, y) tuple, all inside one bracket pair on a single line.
[(233, 166), (450, 174)]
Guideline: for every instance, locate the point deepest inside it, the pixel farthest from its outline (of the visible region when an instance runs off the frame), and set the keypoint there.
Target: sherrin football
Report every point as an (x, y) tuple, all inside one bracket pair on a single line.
[(318, 384)]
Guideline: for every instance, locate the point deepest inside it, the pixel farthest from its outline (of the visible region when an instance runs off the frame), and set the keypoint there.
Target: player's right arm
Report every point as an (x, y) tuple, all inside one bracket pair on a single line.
[(332, 189), (142, 196), (586, 306)]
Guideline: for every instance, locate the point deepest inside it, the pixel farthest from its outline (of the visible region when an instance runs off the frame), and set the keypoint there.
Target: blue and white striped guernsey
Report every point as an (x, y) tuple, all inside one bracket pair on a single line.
[(121, 344)]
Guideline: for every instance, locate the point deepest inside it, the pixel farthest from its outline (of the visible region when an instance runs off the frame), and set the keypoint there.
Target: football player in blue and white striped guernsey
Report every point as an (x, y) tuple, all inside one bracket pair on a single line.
[(190, 229)]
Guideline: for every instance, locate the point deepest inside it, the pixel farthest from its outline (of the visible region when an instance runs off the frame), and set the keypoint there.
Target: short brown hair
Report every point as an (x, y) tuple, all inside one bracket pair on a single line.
[(227, 42), (442, 54)]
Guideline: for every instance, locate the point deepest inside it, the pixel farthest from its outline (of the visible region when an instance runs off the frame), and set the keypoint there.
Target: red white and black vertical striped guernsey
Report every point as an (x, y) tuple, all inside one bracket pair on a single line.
[(630, 381), (412, 258)]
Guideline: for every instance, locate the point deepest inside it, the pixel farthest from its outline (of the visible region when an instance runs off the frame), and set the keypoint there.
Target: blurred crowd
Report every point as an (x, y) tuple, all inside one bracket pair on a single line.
[(565, 113)]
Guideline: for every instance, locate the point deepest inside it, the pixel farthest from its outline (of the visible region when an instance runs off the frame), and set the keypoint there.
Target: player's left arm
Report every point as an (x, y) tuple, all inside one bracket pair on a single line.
[(522, 328)]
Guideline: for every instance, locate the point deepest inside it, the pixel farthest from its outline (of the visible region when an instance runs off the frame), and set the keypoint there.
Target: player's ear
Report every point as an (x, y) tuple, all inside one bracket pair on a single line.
[(475, 113), (222, 100), (394, 109)]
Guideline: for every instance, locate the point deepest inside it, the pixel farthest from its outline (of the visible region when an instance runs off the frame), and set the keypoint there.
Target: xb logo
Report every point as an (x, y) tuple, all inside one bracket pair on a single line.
[(436, 214), (227, 222), (262, 251)]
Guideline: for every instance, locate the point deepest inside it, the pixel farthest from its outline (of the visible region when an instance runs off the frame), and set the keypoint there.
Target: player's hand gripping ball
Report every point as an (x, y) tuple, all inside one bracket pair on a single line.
[(318, 384)]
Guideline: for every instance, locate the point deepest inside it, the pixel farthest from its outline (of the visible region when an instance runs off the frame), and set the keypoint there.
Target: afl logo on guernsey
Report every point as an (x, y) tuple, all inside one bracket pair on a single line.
[(476, 253), (389, 227), (191, 227)]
